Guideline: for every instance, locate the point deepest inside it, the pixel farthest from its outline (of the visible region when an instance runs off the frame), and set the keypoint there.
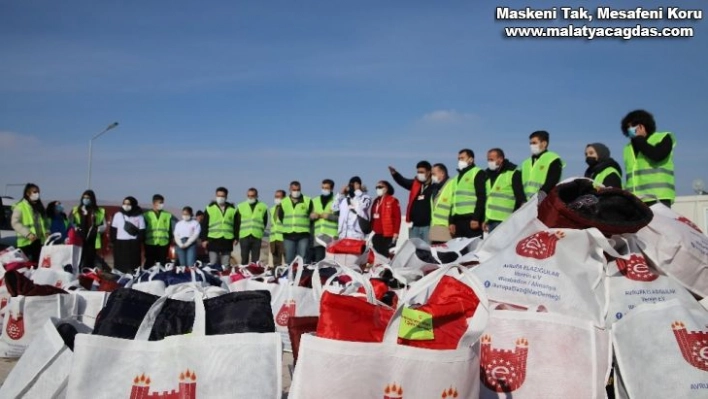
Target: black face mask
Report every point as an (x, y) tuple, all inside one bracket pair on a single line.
[(591, 161)]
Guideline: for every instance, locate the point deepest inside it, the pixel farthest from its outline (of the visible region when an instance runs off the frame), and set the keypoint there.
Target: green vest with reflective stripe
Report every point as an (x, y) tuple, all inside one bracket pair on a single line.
[(221, 225), (464, 197), (252, 219), (605, 173), (647, 179), (500, 197), (442, 205), (276, 233), (296, 219), (324, 226), (100, 217), (27, 220), (157, 229), (534, 175)]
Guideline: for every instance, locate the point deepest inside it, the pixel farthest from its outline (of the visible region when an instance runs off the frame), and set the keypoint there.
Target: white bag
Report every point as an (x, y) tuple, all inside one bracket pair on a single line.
[(387, 369), (25, 316), (407, 263), (229, 366), (631, 281), (58, 256), (54, 277), (528, 354), (90, 305), (560, 269), (661, 350), (508, 233), (677, 247), (43, 371), (11, 255)]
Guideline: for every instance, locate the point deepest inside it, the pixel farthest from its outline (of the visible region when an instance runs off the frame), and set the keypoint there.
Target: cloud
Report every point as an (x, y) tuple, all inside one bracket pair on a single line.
[(12, 140), (448, 116)]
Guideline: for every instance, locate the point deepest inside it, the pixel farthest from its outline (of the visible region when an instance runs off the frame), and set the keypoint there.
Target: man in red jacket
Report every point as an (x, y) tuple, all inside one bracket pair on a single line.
[(422, 191), (385, 217)]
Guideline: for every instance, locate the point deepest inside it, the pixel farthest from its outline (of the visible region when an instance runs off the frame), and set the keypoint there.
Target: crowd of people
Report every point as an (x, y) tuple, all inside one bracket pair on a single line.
[(439, 208)]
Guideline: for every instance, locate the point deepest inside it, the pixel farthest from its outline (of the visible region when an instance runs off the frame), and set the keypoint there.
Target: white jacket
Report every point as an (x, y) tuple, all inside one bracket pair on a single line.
[(348, 209)]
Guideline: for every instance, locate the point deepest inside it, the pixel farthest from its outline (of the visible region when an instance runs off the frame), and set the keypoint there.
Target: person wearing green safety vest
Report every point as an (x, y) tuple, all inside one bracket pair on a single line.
[(325, 220), (29, 220), (219, 234), (295, 213), (251, 220), (89, 222), (442, 205), (275, 239), (159, 225), (469, 197), (649, 159), (543, 170), (602, 169), (505, 189)]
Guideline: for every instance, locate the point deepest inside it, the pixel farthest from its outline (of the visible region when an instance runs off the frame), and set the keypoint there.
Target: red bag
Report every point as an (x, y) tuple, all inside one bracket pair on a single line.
[(347, 246), (298, 326), (350, 318)]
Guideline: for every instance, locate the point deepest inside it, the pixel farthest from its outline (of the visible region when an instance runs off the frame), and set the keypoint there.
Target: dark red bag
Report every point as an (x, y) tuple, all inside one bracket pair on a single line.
[(350, 318), (298, 326)]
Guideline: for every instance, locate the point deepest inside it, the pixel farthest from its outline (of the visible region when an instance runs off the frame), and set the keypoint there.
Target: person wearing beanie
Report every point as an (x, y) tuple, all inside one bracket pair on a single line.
[(601, 167)]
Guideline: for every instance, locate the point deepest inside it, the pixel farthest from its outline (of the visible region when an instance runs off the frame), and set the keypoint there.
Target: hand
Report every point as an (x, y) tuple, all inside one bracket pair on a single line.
[(474, 225), (31, 237), (205, 243), (452, 229), (235, 243), (485, 227), (395, 237), (324, 215), (313, 216), (642, 133), (392, 170)]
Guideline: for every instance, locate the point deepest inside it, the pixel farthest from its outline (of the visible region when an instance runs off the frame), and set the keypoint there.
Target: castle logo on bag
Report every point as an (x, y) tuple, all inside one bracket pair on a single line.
[(285, 313), (46, 262), (635, 268), (503, 370), (450, 393), (689, 223), (541, 245), (393, 391), (694, 345), (15, 328), (187, 388)]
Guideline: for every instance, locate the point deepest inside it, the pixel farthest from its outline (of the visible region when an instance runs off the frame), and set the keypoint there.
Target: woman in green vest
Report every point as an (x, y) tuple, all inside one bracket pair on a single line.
[(89, 222), (602, 168), (29, 220)]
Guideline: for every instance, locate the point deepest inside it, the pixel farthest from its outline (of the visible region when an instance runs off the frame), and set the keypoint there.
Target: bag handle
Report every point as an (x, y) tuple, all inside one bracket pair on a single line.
[(198, 328), (317, 287), (51, 240), (602, 242), (295, 280)]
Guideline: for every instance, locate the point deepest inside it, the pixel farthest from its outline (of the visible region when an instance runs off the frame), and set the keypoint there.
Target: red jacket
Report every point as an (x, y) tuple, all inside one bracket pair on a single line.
[(388, 211)]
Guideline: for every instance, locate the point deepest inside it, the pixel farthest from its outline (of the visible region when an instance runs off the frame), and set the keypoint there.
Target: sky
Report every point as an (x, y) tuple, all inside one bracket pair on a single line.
[(259, 93)]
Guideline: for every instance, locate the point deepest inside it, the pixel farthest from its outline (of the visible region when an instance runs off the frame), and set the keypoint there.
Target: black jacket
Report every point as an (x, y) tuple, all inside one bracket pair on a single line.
[(655, 153)]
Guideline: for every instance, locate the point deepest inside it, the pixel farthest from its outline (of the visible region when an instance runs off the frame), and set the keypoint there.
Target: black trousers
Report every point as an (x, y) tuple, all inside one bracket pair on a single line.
[(126, 255), (155, 254), (319, 254), (665, 202), (32, 251), (250, 246), (381, 244), (463, 229)]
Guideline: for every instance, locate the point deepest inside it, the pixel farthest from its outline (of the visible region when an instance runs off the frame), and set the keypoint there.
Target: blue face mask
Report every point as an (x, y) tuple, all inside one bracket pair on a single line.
[(60, 209), (86, 201), (632, 132)]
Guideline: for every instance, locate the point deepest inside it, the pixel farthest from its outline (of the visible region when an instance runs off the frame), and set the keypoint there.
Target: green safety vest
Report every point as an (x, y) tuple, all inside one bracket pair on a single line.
[(500, 197), (27, 220), (534, 175), (442, 205), (252, 219), (100, 217), (221, 225), (647, 179), (157, 230), (465, 197), (324, 226), (276, 227), (605, 173), (296, 219)]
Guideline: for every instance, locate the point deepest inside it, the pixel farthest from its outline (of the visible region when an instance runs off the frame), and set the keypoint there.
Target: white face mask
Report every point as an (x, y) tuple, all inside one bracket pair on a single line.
[(462, 164), (492, 165), (186, 218), (358, 193), (421, 177), (277, 201), (159, 207), (435, 179), (326, 192), (295, 194), (251, 200), (221, 200), (127, 208), (380, 192), (535, 149), (34, 197)]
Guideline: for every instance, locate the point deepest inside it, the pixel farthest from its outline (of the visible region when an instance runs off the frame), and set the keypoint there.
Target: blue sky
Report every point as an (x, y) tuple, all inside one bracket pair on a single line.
[(257, 94)]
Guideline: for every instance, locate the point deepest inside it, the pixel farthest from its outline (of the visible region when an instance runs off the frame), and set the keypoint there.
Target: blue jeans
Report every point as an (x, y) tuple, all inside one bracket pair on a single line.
[(422, 232), (294, 248), (492, 225), (187, 256)]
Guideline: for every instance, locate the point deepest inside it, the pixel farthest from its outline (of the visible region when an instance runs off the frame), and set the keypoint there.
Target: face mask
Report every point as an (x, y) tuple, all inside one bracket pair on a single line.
[(277, 201), (632, 132), (358, 193), (535, 149), (295, 194), (492, 165), (159, 206), (86, 201), (435, 179), (251, 201), (421, 177), (380, 192), (591, 161), (34, 197), (326, 192), (60, 208), (221, 200), (127, 208), (461, 164), (186, 218)]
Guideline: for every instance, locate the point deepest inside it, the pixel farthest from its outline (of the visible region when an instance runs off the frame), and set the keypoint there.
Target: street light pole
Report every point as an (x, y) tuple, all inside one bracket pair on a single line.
[(111, 126)]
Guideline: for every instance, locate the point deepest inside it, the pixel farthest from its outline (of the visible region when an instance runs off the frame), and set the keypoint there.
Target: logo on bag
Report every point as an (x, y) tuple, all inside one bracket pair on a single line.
[(693, 345), (286, 311), (15, 328), (689, 223), (636, 268), (3, 303), (393, 392), (541, 245), (503, 370), (451, 393), (46, 262), (187, 388)]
